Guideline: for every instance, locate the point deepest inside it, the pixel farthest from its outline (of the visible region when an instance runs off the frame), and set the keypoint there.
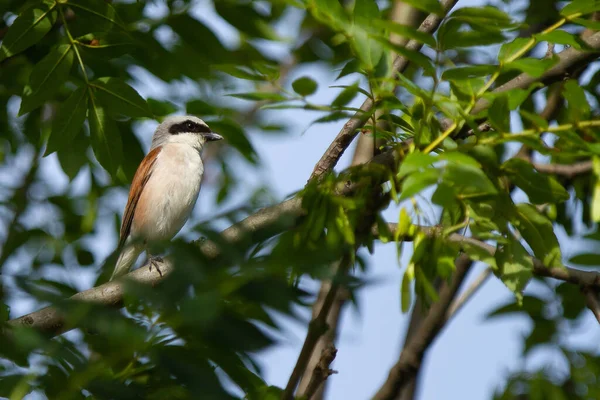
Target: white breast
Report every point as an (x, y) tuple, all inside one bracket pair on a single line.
[(170, 194)]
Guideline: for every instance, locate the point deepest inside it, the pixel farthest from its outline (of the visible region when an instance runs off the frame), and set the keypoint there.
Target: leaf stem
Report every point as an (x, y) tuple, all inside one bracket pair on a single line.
[(73, 44)]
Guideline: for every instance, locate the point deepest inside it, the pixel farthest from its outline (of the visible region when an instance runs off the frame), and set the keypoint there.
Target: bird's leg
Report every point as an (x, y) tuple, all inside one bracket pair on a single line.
[(154, 261)]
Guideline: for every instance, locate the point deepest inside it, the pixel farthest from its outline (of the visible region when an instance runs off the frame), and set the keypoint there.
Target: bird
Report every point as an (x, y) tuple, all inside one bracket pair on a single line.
[(164, 189)]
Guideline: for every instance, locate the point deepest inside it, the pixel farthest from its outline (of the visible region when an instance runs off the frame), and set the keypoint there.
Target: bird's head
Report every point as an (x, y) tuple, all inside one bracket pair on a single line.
[(184, 129)]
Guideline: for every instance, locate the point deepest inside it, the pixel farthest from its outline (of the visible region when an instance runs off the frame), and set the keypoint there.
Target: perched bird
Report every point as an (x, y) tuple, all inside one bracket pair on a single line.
[(164, 189)]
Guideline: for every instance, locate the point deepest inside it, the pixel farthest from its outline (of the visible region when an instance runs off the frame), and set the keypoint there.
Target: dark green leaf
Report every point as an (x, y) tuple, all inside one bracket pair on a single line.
[(414, 56), (429, 6), (161, 108), (407, 32), (304, 86), (538, 232), (106, 141), (346, 96), (540, 188), (119, 98), (28, 28), (499, 114), (467, 73), (589, 259), (99, 10), (486, 17), (47, 77), (532, 66), (579, 108), (260, 96), (74, 157), (68, 121), (236, 137), (563, 37)]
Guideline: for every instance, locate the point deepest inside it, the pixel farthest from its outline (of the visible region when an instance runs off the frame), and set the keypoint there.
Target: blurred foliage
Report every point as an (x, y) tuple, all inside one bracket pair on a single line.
[(69, 70)]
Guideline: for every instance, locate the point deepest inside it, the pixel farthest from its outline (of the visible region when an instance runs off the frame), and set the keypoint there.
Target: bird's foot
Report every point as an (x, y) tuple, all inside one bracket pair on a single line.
[(154, 261)]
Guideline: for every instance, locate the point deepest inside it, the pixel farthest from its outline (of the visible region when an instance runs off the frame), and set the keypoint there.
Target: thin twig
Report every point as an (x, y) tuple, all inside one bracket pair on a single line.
[(460, 302)]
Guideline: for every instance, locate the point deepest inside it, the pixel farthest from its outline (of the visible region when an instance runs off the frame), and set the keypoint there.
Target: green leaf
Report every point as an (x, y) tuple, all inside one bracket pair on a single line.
[(329, 12), (407, 32), (535, 119), (538, 232), (415, 183), (452, 35), (413, 56), (470, 72), (510, 49), (98, 9), (369, 51), (467, 181), (406, 292), (69, 121), (106, 141), (119, 98), (74, 157), (580, 7), (540, 188), (532, 66), (161, 108), (579, 108), (29, 27), (236, 137), (47, 77), (346, 95), (499, 114), (589, 259), (260, 96), (415, 161), (304, 86), (563, 37), (515, 267), (486, 17), (596, 194), (429, 6)]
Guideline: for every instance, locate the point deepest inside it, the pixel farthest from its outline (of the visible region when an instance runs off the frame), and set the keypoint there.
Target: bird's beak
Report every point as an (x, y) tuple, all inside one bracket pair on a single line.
[(212, 136)]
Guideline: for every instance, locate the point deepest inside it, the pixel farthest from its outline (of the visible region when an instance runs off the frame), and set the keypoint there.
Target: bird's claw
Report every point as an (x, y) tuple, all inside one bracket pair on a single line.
[(154, 261)]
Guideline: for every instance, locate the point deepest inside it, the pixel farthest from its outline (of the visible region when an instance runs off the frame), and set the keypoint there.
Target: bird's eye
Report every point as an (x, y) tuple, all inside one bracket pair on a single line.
[(190, 125)]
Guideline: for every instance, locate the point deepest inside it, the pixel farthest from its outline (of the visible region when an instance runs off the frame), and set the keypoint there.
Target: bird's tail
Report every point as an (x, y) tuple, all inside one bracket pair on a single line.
[(129, 255)]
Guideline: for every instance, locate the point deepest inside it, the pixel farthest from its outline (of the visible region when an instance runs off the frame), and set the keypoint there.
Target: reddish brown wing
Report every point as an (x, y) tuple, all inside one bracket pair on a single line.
[(137, 186)]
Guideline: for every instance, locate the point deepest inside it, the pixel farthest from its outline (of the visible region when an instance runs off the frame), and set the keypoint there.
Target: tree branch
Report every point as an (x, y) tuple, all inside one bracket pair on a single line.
[(568, 170), (320, 372), (350, 129), (316, 328), (412, 354)]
